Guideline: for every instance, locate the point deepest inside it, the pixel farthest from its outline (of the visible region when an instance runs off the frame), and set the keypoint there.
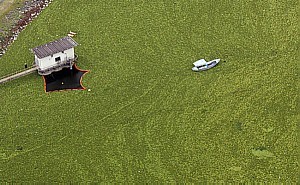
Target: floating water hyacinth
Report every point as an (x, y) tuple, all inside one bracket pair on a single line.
[(262, 153), (270, 129), (236, 168), (146, 110)]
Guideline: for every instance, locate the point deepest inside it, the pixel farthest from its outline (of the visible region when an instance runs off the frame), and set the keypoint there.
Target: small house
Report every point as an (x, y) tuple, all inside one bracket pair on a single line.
[(55, 56)]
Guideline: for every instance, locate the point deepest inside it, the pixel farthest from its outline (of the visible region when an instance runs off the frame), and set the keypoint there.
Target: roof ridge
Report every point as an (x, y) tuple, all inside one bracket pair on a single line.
[(55, 46)]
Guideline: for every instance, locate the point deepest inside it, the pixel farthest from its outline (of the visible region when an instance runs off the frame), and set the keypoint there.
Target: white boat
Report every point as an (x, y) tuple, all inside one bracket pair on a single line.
[(202, 65)]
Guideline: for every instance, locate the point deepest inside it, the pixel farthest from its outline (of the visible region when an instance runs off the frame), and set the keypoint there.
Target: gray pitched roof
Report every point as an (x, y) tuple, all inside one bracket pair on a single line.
[(54, 47)]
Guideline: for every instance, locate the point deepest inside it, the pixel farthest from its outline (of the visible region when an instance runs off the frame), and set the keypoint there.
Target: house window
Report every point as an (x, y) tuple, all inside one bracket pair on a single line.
[(57, 59)]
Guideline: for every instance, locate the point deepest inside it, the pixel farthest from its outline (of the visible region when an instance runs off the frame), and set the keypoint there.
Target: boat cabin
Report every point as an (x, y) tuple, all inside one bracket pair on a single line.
[(55, 56), (200, 62)]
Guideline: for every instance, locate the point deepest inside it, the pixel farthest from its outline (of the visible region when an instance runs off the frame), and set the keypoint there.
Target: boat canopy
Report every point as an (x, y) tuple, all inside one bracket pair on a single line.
[(200, 62)]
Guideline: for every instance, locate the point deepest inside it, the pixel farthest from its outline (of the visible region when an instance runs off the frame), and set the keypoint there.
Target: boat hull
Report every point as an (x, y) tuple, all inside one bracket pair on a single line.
[(209, 65)]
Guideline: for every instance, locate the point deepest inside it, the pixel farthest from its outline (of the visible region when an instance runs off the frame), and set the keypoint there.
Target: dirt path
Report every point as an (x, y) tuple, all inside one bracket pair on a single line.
[(7, 5), (15, 15), (4, 6), (9, 15)]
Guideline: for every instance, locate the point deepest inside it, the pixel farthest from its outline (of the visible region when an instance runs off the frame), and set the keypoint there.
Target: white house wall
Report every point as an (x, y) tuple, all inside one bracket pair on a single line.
[(42, 63), (49, 61), (70, 53), (36, 60)]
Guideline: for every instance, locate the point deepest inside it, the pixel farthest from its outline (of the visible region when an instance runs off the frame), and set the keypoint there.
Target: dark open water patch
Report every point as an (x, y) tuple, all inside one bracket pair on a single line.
[(19, 148), (66, 79)]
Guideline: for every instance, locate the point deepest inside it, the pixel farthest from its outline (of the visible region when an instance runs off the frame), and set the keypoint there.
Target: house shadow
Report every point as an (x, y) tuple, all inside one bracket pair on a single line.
[(65, 79)]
